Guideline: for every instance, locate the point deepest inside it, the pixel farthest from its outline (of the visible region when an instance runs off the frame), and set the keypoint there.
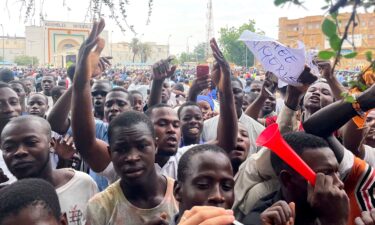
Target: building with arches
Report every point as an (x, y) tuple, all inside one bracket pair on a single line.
[(57, 43)]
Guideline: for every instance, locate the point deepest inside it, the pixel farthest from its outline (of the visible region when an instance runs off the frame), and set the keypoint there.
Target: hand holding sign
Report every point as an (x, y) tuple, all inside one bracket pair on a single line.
[(286, 63)]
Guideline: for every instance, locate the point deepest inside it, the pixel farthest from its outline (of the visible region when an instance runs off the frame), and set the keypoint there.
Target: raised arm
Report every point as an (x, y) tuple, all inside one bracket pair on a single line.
[(254, 109), (83, 124), (59, 115), (353, 138), (336, 87), (228, 123), (287, 118), (199, 84), (330, 118), (161, 70)]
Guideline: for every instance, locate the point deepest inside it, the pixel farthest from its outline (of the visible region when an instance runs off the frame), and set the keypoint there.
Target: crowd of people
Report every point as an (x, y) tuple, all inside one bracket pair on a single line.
[(159, 146)]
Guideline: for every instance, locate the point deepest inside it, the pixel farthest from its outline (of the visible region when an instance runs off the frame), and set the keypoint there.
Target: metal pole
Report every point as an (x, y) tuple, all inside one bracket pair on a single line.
[(187, 44), (111, 41), (246, 55), (2, 28), (168, 44)]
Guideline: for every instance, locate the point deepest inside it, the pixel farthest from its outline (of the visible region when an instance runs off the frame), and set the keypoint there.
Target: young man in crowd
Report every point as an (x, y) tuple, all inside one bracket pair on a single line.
[(37, 105), (30, 201), (202, 181), (311, 203), (48, 82), (25, 144), (9, 108), (264, 106), (20, 89), (99, 90), (253, 127), (141, 193), (191, 118), (165, 120), (256, 178), (138, 102)]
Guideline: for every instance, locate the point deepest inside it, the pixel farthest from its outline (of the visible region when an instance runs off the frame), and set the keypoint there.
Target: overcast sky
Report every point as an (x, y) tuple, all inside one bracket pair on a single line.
[(178, 18)]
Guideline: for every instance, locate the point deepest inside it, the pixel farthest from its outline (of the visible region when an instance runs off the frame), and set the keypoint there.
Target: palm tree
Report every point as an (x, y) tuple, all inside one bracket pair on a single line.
[(145, 50), (134, 45)]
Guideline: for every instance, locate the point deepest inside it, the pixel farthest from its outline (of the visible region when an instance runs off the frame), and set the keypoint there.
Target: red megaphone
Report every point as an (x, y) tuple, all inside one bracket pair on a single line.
[(271, 138)]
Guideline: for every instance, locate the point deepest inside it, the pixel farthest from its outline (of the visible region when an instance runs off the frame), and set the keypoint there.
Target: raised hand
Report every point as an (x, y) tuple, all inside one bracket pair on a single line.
[(102, 65), (64, 147), (325, 69), (88, 60), (207, 215), (280, 213), (367, 218), (328, 200), (163, 69), (200, 84), (221, 69), (158, 220), (268, 85)]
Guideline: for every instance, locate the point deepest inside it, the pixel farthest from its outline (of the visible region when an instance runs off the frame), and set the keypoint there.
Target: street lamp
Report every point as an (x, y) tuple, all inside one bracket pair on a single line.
[(169, 37), (187, 43), (111, 41), (2, 28)]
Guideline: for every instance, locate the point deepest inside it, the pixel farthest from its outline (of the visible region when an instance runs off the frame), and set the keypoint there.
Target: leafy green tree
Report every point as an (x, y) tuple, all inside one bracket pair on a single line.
[(234, 50), (24, 60), (145, 51), (134, 45), (186, 57), (200, 52)]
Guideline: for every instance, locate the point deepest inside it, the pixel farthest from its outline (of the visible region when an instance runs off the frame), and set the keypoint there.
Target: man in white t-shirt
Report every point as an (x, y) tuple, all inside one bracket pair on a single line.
[(25, 144)]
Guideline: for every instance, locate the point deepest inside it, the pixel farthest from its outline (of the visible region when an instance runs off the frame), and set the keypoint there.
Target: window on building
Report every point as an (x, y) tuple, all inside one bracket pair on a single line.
[(363, 23), (309, 26), (317, 25), (68, 46)]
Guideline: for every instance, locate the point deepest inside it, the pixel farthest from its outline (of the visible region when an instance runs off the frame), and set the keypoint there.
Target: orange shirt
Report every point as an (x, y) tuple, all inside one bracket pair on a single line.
[(359, 186)]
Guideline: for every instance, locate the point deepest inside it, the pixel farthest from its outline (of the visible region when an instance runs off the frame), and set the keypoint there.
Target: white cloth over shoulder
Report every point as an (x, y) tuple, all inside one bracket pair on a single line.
[(286, 63), (253, 128)]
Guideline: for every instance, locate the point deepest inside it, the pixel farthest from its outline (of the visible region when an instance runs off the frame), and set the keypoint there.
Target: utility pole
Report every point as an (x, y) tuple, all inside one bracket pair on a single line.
[(2, 28), (209, 28)]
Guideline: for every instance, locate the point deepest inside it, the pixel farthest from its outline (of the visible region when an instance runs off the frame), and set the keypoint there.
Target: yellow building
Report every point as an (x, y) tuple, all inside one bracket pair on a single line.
[(56, 43), (123, 55), (308, 30), (11, 47)]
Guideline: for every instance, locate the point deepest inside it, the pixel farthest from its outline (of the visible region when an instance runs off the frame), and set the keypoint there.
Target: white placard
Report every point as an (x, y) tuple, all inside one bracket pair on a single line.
[(286, 63)]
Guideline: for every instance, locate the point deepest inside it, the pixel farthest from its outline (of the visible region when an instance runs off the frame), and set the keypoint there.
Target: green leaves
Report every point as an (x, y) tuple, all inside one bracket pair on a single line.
[(326, 55), (335, 42), (329, 28), (348, 98), (350, 55), (368, 55)]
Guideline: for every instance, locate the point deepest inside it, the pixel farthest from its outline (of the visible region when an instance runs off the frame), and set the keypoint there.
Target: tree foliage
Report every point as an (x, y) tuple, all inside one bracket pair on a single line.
[(134, 45), (233, 49), (145, 51), (24, 60)]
